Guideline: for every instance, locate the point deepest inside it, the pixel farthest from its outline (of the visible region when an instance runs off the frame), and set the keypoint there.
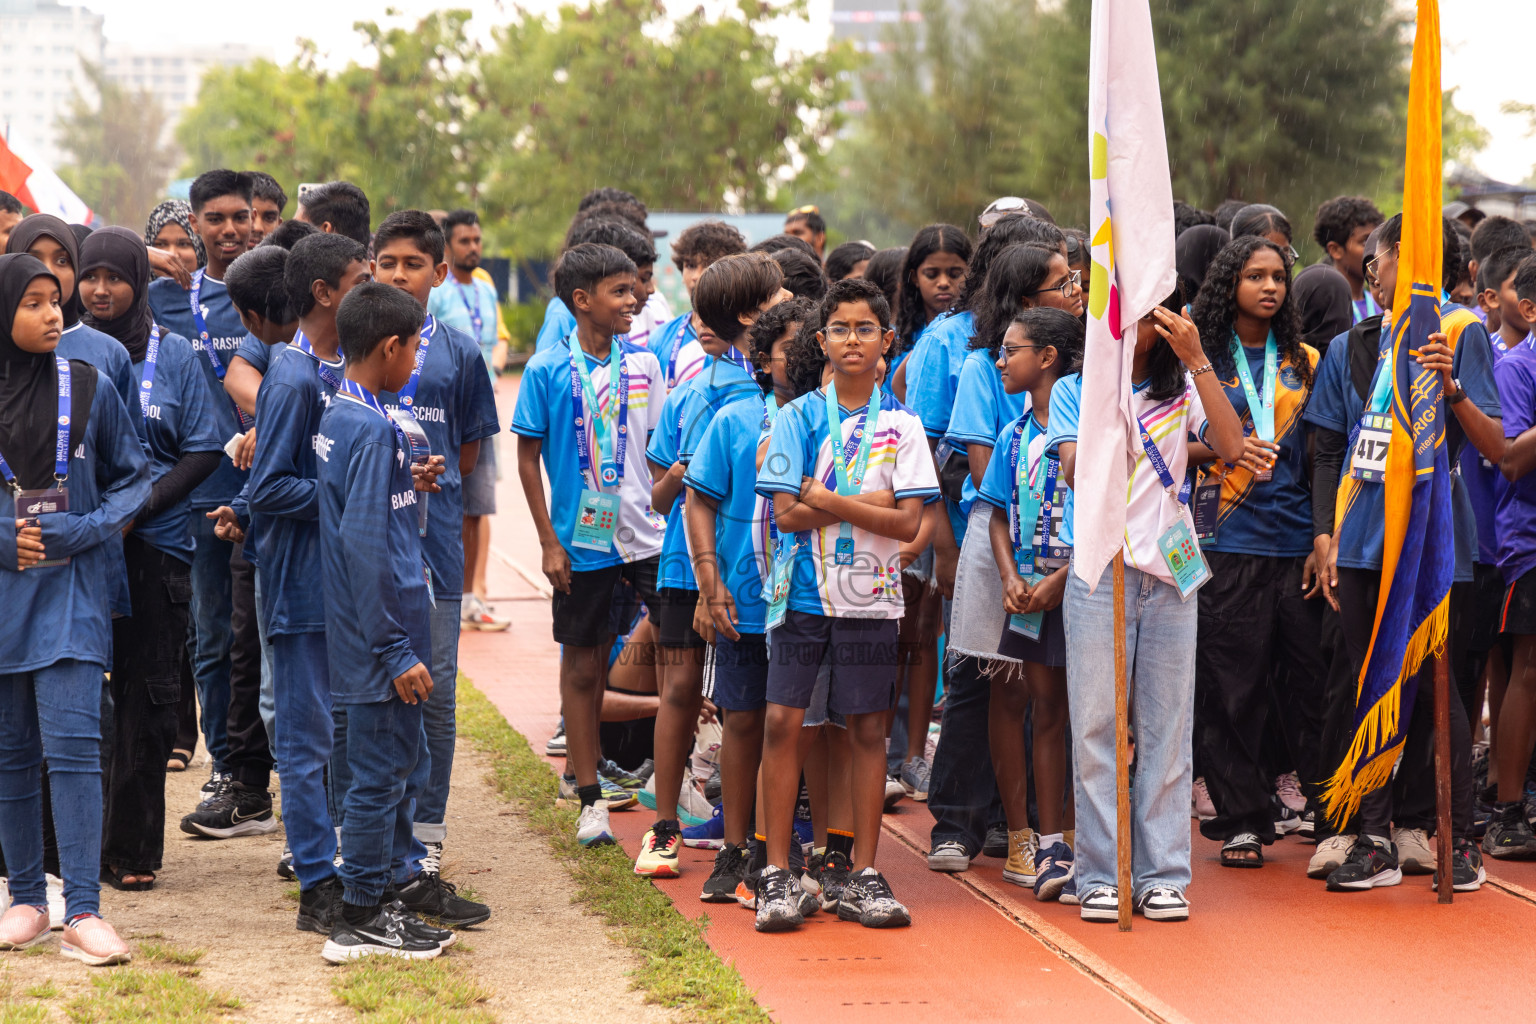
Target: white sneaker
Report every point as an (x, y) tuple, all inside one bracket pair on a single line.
[(692, 807), (1103, 904), (1414, 854), (1200, 801), (1329, 856), (1288, 789), (894, 791), (592, 827)]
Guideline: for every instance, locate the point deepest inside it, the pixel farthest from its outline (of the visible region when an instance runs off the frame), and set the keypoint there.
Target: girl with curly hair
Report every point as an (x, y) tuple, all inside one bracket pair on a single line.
[(1260, 608)]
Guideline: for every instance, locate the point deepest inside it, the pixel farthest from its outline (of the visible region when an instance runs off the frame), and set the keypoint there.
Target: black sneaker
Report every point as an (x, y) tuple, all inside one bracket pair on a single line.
[(383, 934), (444, 937), (237, 811), (778, 901), (868, 900), (285, 865), (619, 776), (1509, 835), (729, 872), (1372, 862), (217, 785), (320, 907), (712, 786), (835, 872), (1306, 829), (996, 842), (1467, 874), (428, 895)]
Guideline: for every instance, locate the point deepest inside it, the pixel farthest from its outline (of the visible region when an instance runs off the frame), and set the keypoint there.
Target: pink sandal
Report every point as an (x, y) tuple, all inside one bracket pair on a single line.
[(94, 943)]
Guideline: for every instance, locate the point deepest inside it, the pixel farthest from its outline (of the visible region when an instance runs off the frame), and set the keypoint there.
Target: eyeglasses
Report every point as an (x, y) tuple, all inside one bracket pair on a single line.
[(1073, 280), (998, 208), (1009, 350), (866, 332), (1373, 262), (1290, 253)]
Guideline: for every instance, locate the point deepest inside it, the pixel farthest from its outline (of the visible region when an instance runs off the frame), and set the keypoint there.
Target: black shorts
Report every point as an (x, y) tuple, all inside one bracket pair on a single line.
[(741, 673), (584, 617), (1049, 650), (1487, 600), (675, 627), (1519, 614), (862, 653)]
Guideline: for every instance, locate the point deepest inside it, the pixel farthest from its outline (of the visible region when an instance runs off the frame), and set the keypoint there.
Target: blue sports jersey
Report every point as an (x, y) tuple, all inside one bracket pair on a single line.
[(1274, 516), (676, 347), (558, 323), (455, 405), (256, 352), (933, 373), (1513, 538), (999, 485), (676, 569), (981, 409), (1336, 405), (285, 506), (104, 352), (179, 422), (544, 412), (171, 305), (724, 468), (377, 604), (63, 612), (458, 305)]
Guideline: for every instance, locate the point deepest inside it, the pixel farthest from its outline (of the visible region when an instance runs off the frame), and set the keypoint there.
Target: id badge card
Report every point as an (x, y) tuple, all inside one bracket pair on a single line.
[(843, 553), (1206, 506), (421, 451), (431, 591), (778, 585), (597, 516), (43, 501), (1028, 625), (1050, 553), (1182, 554), (1368, 461)]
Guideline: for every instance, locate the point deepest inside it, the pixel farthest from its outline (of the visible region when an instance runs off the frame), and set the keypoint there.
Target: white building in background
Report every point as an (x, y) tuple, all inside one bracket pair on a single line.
[(173, 75), (42, 44)]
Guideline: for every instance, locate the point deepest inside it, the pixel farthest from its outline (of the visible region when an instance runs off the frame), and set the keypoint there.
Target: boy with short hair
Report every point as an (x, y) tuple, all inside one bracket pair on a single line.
[(267, 202), (806, 224), (677, 344), (1343, 224), (1500, 298), (301, 381), (377, 599), (844, 592), (621, 235), (728, 298), (337, 207), (449, 397), (586, 409)]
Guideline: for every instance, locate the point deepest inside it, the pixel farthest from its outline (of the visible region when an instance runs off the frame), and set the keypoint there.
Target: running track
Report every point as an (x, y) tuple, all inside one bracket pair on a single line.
[(1260, 945)]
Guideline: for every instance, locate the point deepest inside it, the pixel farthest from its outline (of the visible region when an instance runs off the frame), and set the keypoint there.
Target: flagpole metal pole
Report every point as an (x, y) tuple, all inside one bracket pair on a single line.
[(1122, 753), (1443, 860)]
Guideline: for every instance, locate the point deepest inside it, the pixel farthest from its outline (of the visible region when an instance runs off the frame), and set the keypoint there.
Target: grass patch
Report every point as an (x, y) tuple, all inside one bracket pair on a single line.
[(383, 990), (131, 995), (679, 969), (164, 953), (47, 990)]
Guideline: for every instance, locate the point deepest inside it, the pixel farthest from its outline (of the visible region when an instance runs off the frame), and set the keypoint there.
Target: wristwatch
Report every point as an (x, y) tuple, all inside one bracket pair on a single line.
[(1458, 396)]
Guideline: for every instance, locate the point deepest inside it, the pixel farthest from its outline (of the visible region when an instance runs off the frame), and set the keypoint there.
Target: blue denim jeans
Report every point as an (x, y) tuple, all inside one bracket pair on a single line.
[(52, 713), (383, 748), (1160, 632), (343, 775), (302, 689), (210, 634), (268, 702), (438, 718)]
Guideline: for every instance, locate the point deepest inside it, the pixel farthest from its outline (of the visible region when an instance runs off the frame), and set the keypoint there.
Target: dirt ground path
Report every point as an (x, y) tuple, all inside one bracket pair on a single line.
[(541, 956)]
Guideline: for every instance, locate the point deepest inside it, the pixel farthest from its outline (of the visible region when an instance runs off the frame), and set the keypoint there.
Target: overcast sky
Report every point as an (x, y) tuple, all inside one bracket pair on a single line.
[(1485, 76)]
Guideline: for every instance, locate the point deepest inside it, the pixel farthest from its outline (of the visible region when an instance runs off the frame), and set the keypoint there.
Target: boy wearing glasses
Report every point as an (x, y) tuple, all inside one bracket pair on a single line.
[(848, 471)]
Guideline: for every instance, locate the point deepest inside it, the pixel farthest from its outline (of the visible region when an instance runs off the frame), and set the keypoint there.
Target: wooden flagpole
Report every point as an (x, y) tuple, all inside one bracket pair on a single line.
[(1122, 752), (1443, 856)]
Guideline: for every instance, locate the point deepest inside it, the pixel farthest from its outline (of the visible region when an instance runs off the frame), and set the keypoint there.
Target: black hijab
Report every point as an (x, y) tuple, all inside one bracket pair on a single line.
[(30, 230), (1323, 302), (28, 383), (122, 252), (1193, 252)]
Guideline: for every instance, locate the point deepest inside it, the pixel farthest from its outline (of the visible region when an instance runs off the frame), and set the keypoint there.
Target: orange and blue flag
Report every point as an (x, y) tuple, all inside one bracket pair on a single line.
[(1418, 557)]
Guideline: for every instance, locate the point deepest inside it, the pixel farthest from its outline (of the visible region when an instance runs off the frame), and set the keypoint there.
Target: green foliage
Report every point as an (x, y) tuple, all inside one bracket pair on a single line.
[(129, 995), (117, 161), (692, 113), (383, 990)]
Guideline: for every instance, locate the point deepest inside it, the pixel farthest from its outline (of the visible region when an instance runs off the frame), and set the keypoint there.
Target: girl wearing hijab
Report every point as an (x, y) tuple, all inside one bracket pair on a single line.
[(170, 229), (74, 475), (1193, 252), (50, 240), (174, 420)]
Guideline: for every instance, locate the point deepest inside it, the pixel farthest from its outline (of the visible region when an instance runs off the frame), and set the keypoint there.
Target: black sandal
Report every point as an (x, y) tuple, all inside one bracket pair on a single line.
[(178, 760), (1233, 851), (115, 877)]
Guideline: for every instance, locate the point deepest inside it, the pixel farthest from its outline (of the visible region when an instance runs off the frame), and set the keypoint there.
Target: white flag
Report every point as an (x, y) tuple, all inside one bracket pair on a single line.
[(1130, 217), (27, 178)]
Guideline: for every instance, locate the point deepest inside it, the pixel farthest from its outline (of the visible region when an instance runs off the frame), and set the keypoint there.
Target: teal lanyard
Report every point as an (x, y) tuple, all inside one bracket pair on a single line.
[(770, 410), (605, 422), (1381, 392), (864, 432), (1029, 500), (1260, 406)]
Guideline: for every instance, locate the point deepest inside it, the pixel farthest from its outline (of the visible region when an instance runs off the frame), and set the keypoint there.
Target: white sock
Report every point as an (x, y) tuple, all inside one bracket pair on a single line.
[(1048, 841)]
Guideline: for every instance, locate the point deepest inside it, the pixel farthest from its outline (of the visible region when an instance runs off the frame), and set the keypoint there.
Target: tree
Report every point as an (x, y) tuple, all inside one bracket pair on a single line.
[(117, 161)]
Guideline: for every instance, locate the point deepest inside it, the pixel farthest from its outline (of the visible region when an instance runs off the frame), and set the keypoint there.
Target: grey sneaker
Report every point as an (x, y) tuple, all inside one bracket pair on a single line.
[(867, 899), (778, 901), (914, 778), (1414, 854), (949, 855)]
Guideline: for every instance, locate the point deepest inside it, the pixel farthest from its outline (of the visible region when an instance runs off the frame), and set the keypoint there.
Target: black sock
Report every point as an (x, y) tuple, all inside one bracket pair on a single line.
[(354, 914), (841, 842), (590, 795), (671, 823), (759, 850)]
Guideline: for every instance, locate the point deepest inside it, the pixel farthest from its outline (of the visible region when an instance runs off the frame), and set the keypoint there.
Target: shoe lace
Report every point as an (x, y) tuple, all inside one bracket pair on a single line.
[(432, 863), (1288, 785), (726, 862)]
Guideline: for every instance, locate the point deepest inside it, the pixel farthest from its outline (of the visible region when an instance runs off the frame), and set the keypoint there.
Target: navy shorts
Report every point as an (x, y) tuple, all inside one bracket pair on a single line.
[(1049, 650), (861, 652), (1519, 614), (741, 673), (585, 617)]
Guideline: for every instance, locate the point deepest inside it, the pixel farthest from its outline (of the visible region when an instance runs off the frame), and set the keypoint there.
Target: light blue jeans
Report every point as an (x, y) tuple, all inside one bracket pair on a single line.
[(439, 716), (1160, 657)]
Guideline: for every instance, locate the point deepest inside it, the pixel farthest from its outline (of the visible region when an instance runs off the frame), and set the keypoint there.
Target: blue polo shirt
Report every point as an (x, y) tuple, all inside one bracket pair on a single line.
[(180, 421), (981, 410), (724, 467)]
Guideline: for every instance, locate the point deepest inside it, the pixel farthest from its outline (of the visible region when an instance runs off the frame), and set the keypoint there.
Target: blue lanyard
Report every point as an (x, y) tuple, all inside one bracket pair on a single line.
[(1029, 505), (1260, 406), (355, 391), (206, 340), (1370, 307), (1155, 456), (736, 356), (474, 311), (408, 393), (677, 346), (147, 381), (61, 444), (612, 444), (326, 373)]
